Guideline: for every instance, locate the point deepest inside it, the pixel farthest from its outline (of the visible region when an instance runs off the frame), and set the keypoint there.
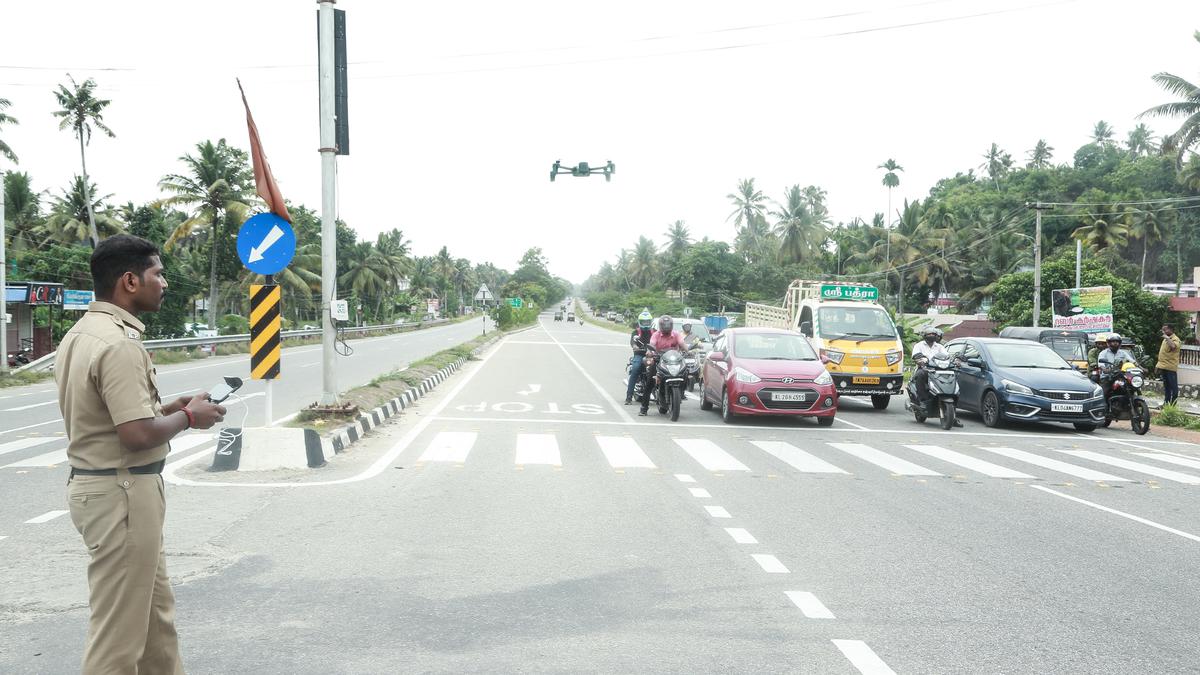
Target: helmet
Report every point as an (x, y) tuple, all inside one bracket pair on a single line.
[(687, 327), (1113, 336), (935, 332), (665, 324), (645, 318)]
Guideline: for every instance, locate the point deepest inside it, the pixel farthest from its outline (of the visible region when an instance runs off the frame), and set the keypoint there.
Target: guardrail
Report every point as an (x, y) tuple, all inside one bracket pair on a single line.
[(47, 362)]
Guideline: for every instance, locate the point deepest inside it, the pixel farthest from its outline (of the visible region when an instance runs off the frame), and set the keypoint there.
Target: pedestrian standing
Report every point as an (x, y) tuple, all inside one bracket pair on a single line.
[(1168, 363), (118, 432)]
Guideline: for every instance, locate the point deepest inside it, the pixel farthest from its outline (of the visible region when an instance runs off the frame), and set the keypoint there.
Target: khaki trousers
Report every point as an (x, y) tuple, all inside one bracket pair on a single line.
[(132, 625)]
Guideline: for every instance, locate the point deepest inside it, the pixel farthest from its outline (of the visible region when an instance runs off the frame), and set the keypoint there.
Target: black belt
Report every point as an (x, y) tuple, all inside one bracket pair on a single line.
[(154, 468)]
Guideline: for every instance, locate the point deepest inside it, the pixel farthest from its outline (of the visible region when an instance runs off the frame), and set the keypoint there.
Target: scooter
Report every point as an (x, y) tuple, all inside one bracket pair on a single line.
[(1124, 395), (942, 395)]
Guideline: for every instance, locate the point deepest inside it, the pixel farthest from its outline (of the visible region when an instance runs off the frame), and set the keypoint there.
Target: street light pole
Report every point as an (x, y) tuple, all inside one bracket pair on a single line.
[(329, 395), (1038, 207)]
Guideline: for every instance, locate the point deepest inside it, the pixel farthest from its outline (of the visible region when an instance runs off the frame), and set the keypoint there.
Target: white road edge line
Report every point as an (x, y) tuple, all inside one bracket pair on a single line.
[(603, 393), (380, 464), (1130, 516), (863, 657), (46, 517), (809, 605)]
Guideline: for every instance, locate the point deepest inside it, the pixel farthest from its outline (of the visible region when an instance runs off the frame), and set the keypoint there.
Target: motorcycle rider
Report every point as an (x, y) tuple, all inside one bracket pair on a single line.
[(690, 339), (1114, 356), (929, 347), (638, 340), (663, 339)]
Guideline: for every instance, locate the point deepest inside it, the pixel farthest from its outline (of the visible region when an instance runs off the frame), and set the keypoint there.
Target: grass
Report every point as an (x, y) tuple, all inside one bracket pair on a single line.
[(603, 323), (23, 378), (1172, 416)]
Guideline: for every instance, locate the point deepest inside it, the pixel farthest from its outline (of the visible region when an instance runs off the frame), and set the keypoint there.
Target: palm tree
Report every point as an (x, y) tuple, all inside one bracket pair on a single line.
[(216, 185), (890, 180), (1140, 141), (80, 111), (1039, 156), (996, 163), (749, 202), (362, 277), (1102, 229), (443, 269), (1147, 226), (1189, 108), (22, 210), (678, 239), (1102, 133), (643, 264), (799, 223), (5, 118), (68, 222), (756, 242)]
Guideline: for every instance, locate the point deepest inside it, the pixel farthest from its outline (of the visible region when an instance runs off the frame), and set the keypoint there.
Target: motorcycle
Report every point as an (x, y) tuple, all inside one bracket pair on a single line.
[(692, 362), (1123, 394), (670, 372), (942, 392), (19, 358), (640, 384)]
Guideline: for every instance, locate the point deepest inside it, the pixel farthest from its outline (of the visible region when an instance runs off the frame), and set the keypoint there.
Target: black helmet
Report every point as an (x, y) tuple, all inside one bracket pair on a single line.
[(1113, 336), (665, 324)]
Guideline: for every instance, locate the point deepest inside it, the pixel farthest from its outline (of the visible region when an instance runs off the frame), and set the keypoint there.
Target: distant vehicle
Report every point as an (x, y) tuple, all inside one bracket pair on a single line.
[(1020, 380), (767, 371), (852, 332), (558, 316), (698, 329), (611, 316), (1072, 345), (570, 316), (619, 318), (716, 324)]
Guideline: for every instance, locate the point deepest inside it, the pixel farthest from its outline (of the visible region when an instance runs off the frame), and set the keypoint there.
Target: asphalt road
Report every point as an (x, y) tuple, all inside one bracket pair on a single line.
[(519, 519)]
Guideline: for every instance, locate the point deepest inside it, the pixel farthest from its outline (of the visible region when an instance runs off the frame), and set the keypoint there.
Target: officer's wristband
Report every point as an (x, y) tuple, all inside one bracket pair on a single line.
[(191, 420)]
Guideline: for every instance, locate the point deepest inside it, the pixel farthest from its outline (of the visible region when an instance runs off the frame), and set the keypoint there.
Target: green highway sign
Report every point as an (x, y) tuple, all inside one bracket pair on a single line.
[(516, 302), (840, 292)]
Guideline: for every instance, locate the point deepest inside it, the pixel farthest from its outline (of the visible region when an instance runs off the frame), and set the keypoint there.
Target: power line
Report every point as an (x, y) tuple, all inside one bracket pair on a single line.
[(1079, 215), (1125, 202)]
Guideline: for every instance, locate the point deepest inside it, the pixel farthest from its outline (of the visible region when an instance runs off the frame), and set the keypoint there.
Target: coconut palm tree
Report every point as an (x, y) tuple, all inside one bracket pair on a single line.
[(1102, 229), (1146, 225), (443, 269), (81, 110), (22, 209), (799, 224), (749, 202), (1102, 133), (1140, 142), (5, 118), (216, 185), (1039, 156), (1188, 107), (678, 239), (996, 163), (68, 222), (643, 264), (362, 276)]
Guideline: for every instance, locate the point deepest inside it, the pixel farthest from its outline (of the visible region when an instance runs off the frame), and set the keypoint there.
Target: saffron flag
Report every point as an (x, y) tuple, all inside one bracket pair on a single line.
[(264, 181)]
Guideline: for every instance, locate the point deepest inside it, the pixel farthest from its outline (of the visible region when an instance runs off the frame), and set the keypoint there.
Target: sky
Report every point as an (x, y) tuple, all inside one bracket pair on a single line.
[(459, 108)]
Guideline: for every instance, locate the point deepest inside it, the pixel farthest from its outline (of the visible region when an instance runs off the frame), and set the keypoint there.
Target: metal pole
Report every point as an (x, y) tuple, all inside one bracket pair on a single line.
[(3, 286), (329, 395), (1078, 259), (1038, 207)]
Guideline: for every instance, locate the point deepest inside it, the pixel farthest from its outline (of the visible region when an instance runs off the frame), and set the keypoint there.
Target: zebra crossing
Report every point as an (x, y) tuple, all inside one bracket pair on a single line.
[(51, 451), (746, 456)]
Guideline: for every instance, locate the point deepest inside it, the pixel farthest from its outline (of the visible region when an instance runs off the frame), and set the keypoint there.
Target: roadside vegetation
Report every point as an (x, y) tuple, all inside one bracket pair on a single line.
[(1172, 416)]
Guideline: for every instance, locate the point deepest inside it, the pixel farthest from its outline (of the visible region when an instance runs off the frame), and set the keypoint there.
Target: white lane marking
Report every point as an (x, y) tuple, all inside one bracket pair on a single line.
[(1054, 464), (22, 443), (809, 605), (571, 344), (709, 456), (684, 478), (741, 536), (769, 563), (449, 446), (879, 458), (1162, 457), (700, 493), (811, 430), (603, 392), (1168, 474), (856, 426), (49, 459), (286, 418), (796, 458), (717, 512), (1130, 516), (968, 462), (189, 441), (3, 536), (46, 517), (533, 389), (538, 449), (31, 426), (622, 452), (1119, 442), (863, 658), (30, 406)]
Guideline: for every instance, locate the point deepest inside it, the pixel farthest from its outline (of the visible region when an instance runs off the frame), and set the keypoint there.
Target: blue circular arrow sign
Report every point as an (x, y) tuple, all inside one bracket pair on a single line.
[(266, 243)]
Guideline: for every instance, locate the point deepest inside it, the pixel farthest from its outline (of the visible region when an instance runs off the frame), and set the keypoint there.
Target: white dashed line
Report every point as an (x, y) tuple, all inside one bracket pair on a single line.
[(46, 517), (809, 605), (741, 536), (684, 478), (700, 493), (769, 563), (717, 512), (863, 657)]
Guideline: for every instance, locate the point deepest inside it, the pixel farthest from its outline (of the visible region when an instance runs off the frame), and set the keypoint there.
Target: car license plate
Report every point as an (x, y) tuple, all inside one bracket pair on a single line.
[(859, 379), (788, 396), (1066, 407)]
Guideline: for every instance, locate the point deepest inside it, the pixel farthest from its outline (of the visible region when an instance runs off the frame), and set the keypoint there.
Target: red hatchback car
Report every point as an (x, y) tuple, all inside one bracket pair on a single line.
[(767, 371)]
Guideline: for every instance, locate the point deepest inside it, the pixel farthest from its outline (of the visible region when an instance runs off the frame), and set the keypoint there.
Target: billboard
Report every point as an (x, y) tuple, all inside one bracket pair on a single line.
[(1087, 309), (77, 300)]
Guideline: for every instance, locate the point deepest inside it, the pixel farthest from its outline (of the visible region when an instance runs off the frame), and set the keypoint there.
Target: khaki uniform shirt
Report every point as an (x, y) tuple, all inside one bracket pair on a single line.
[(1169, 360), (105, 378)]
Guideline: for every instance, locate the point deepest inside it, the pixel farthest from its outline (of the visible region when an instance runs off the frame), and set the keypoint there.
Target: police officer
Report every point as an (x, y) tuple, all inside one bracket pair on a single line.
[(118, 430)]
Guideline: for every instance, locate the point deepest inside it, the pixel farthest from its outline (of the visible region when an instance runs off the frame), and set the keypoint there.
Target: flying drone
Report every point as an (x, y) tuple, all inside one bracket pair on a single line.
[(582, 170)]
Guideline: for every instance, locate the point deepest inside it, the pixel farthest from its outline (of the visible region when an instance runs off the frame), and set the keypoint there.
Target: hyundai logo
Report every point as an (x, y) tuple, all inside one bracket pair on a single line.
[(788, 380)]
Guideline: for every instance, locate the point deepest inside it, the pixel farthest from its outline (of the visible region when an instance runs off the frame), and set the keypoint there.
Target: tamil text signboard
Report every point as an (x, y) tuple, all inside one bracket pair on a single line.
[(841, 292), (1087, 309)]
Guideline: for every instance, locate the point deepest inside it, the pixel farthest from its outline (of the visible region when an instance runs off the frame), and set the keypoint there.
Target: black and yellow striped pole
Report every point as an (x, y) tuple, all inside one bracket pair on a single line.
[(265, 322)]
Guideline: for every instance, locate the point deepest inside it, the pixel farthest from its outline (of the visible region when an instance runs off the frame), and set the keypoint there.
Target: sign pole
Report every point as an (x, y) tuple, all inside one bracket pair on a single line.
[(328, 152), (3, 288), (266, 318)]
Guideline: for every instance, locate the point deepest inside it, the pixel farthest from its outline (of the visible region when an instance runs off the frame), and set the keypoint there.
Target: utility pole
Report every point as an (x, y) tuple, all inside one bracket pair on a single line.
[(329, 395), (1038, 207), (3, 287), (1078, 259)]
